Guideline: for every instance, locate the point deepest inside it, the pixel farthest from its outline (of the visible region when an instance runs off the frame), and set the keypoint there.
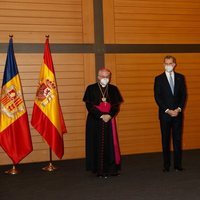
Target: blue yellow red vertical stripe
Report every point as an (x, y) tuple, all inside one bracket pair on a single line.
[(15, 136)]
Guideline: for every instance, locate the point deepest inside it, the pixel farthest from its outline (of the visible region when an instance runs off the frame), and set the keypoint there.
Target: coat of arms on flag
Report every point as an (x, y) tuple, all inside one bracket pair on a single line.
[(46, 91), (11, 101)]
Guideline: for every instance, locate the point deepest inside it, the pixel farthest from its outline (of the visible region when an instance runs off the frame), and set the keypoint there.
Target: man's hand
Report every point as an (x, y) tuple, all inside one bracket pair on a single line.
[(173, 113), (178, 110)]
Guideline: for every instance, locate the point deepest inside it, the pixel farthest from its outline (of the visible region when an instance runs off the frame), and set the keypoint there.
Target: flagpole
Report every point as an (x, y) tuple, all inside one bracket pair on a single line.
[(13, 171), (21, 143), (53, 127), (49, 167)]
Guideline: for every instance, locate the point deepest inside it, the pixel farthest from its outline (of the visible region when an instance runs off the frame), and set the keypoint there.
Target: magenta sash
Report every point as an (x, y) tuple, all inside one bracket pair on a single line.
[(105, 107)]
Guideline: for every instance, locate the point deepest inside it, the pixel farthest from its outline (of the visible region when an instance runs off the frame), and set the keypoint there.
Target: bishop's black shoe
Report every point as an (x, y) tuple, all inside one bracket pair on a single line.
[(102, 175), (115, 174)]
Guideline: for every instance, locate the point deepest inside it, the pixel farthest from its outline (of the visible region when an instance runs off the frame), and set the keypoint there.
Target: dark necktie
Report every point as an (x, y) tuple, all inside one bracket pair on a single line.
[(171, 83)]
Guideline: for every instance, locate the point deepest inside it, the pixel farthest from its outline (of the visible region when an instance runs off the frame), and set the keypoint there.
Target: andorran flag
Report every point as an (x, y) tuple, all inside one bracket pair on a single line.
[(47, 116), (15, 136)]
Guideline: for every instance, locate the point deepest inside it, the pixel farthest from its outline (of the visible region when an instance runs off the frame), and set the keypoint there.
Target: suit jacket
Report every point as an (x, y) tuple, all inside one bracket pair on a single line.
[(163, 94)]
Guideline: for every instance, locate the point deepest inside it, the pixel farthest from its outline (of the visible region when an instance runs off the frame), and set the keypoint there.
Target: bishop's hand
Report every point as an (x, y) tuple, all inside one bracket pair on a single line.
[(106, 117)]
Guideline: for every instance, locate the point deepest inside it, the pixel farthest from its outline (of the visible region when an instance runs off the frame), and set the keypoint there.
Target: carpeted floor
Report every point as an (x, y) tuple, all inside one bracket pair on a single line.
[(141, 179)]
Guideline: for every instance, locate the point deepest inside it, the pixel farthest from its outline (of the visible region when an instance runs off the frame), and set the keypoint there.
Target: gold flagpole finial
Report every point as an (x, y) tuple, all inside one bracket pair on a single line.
[(47, 36), (11, 35)]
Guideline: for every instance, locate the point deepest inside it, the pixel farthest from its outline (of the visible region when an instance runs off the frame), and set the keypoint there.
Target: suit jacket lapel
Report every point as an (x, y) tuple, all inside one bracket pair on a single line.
[(175, 82)]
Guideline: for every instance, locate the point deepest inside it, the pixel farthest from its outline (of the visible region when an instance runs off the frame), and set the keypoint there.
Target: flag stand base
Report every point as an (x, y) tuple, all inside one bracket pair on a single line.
[(49, 168), (13, 171)]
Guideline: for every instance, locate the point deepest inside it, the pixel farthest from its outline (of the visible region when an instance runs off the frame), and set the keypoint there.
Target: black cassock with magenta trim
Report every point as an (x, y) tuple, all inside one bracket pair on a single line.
[(102, 146)]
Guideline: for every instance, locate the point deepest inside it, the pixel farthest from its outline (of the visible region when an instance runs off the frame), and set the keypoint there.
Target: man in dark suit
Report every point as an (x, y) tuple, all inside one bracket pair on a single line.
[(170, 95)]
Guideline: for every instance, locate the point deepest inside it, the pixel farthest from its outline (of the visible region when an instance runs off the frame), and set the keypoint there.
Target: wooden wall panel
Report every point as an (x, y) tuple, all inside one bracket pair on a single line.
[(73, 73), (152, 22), (125, 22), (29, 21), (138, 123)]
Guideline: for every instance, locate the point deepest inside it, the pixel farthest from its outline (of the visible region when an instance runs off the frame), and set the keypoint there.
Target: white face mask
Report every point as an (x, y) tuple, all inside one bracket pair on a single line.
[(104, 81), (168, 68)]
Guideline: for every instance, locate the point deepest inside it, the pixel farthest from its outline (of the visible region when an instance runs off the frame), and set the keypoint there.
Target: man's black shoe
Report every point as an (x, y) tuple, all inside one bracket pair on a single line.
[(166, 170), (179, 169)]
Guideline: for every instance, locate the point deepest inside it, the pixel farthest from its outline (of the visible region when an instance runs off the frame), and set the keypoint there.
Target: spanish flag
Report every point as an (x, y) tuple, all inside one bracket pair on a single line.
[(47, 116), (15, 136)]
